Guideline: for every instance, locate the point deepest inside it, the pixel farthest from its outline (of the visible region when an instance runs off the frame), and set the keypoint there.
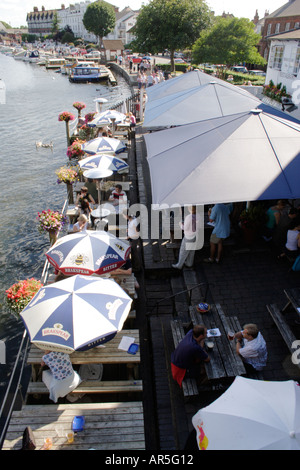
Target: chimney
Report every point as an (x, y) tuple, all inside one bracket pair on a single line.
[(35, 9), (63, 6), (43, 8)]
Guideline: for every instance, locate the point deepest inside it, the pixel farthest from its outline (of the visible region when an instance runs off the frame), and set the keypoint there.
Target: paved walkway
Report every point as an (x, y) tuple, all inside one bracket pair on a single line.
[(245, 281)]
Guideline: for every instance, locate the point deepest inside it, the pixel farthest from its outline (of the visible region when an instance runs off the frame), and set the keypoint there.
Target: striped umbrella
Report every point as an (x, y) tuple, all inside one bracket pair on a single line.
[(76, 314), (104, 145), (102, 161), (88, 252), (106, 118)]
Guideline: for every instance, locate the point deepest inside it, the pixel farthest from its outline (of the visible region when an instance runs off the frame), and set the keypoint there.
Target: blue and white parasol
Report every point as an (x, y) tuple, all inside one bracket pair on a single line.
[(76, 314), (104, 145), (88, 252), (106, 117), (103, 161)]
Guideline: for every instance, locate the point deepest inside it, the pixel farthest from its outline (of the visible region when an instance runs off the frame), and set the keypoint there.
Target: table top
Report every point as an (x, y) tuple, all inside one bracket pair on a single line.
[(108, 353), (224, 362), (107, 426), (100, 212)]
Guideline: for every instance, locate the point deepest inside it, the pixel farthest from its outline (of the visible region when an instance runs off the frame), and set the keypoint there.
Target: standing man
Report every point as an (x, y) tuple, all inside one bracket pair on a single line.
[(219, 215)]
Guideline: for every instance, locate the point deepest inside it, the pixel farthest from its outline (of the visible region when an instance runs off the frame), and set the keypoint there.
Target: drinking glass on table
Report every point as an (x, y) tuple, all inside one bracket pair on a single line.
[(230, 335)]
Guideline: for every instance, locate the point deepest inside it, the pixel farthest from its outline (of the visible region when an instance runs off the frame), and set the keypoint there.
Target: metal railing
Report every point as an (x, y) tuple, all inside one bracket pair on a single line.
[(9, 401), (188, 290)]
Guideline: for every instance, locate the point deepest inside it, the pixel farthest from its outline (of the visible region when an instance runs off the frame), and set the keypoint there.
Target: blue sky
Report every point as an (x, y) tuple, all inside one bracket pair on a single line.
[(14, 11)]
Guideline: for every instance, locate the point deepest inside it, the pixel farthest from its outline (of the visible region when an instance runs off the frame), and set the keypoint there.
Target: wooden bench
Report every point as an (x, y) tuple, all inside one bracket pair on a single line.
[(108, 426), (93, 386), (282, 326), (189, 386), (293, 296)]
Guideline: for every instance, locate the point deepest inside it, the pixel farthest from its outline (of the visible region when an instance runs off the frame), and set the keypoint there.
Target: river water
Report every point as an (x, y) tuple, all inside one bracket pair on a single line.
[(34, 98)]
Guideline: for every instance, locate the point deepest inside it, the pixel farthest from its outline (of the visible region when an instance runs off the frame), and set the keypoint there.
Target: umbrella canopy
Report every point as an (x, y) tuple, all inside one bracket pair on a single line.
[(208, 101), (88, 252), (77, 313), (251, 415), (104, 145), (101, 119), (244, 157), (102, 161), (182, 82)]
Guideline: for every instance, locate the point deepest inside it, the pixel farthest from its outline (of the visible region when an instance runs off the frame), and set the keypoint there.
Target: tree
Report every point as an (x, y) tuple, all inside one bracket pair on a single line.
[(55, 24), (229, 41), (99, 19), (170, 24)]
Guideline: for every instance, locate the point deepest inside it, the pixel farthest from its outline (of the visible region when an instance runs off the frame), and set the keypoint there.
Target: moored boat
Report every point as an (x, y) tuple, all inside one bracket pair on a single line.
[(87, 73), (55, 63)]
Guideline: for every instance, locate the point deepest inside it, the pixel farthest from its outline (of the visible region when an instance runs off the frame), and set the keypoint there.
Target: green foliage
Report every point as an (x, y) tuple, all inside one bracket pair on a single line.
[(99, 19), (229, 41), (170, 24), (276, 92)]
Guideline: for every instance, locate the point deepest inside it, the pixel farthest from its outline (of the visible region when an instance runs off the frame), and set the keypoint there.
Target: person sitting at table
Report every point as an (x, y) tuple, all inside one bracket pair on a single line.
[(125, 270), (117, 196), (81, 224), (84, 194), (251, 346), (61, 378), (292, 246), (188, 358)]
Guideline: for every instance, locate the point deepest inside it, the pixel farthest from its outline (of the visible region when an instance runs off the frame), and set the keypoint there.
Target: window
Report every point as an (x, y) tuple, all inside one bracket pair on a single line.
[(269, 29), (297, 25), (277, 28), (297, 62), (287, 26), (276, 57)]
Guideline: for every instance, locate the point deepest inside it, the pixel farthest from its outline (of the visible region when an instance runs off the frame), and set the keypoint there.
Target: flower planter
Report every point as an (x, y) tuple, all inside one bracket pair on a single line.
[(53, 235)]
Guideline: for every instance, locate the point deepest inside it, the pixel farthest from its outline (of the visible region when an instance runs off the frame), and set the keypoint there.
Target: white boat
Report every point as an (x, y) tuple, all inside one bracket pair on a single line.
[(20, 55), (56, 63), (31, 56), (87, 73)]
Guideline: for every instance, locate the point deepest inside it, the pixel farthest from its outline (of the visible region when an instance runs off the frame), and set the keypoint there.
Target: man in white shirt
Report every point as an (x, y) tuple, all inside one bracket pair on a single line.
[(251, 346)]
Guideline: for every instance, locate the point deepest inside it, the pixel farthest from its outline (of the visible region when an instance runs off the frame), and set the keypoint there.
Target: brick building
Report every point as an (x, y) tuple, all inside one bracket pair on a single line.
[(285, 18)]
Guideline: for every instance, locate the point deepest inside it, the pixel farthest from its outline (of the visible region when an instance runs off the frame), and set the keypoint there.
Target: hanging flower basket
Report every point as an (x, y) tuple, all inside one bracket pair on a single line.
[(74, 150), (89, 117), (66, 116), (50, 220), (20, 294), (66, 175), (79, 106)]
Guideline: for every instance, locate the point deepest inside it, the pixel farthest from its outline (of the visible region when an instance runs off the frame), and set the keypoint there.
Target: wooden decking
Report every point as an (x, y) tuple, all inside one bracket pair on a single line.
[(108, 426)]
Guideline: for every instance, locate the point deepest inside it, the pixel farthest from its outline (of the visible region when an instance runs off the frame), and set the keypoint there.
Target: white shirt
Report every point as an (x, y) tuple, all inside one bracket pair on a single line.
[(254, 352), (132, 231), (189, 226)]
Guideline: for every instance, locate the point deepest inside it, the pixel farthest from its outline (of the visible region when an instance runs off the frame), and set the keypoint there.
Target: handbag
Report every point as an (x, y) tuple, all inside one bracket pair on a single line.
[(28, 442)]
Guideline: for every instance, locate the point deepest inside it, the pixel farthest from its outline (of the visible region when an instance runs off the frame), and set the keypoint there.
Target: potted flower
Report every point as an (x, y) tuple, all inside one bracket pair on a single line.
[(75, 150), (68, 176), (51, 221), (89, 117), (66, 116), (79, 106), (20, 294), (252, 221)]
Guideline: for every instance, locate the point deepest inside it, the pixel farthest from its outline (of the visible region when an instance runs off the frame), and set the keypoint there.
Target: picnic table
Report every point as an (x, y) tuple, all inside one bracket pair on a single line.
[(108, 426), (293, 296), (224, 362), (108, 353)]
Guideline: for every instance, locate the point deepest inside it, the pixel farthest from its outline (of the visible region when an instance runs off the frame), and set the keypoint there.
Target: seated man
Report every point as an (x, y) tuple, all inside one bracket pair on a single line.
[(117, 196), (251, 346), (187, 359)]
